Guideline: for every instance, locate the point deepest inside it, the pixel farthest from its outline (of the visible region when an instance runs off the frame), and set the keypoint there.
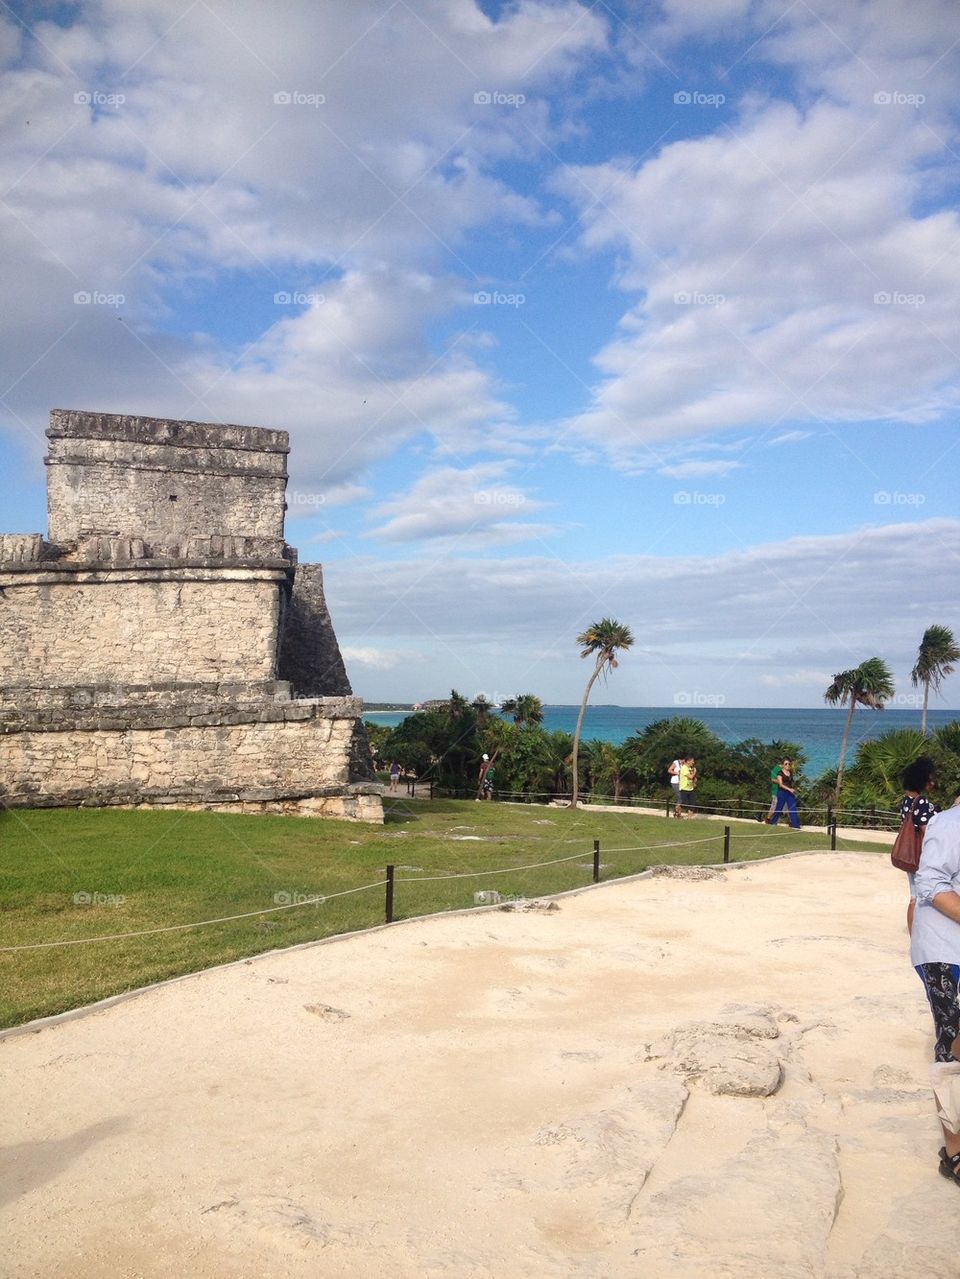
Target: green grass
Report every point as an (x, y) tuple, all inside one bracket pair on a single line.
[(73, 873)]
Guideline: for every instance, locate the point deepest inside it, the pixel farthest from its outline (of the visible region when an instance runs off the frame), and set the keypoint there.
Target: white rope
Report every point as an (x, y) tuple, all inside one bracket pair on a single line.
[(652, 848), (471, 874), (744, 838), (509, 870), (319, 900)]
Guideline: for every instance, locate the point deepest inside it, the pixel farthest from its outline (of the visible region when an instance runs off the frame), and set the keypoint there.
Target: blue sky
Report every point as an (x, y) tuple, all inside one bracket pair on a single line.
[(571, 310)]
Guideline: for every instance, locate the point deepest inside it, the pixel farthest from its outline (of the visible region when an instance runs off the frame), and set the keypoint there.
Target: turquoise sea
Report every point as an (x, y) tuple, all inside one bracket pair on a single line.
[(817, 731)]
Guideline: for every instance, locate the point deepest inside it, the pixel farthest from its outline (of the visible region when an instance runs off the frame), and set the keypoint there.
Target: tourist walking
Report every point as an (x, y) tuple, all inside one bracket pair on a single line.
[(673, 772), (786, 795), (774, 792), (488, 781), (394, 776), (688, 786), (917, 780), (485, 779), (935, 953)]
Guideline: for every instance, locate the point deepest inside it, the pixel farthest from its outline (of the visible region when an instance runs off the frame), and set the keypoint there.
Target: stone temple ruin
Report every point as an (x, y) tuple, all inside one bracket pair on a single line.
[(162, 646)]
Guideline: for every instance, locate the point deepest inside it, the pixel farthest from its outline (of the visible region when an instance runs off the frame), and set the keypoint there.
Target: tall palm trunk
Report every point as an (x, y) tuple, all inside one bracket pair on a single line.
[(843, 746), (923, 719), (576, 736)]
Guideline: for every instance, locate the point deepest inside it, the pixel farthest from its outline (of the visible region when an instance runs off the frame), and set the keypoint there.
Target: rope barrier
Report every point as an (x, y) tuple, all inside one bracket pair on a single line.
[(508, 870), (810, 830), (678, 843), (319, 900)]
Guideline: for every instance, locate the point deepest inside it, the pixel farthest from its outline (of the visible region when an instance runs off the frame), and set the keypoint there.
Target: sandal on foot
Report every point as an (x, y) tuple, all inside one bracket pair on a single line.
[(949, 1165)]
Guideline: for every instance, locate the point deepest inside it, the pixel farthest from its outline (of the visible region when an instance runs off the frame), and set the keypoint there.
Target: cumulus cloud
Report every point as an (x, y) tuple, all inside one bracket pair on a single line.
[(156, 149), (793, 264)]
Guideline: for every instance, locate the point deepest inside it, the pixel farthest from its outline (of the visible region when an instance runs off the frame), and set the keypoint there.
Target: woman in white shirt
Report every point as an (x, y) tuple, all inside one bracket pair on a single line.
[(935, 953)]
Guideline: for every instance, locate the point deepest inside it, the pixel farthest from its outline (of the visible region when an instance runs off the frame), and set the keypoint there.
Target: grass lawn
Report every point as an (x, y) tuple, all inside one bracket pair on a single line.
[(84, 873)]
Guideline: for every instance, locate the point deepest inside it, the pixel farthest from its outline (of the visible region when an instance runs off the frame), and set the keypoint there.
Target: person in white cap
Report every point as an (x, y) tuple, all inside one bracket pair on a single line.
[(482, 778)]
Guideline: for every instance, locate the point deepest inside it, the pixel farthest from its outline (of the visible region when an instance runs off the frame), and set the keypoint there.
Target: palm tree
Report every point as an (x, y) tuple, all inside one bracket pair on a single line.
[(935, 658), (880, 763), (601, 640), (525, 708), (482, 706), (869, 684), (607, 764)]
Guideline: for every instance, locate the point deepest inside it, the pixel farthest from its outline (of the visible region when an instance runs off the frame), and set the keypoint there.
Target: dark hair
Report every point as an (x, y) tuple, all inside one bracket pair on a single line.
[(918, 775)]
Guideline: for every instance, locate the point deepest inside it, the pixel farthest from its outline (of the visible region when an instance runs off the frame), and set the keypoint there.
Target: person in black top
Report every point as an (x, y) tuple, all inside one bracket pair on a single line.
[(786, 795), (917, 780)]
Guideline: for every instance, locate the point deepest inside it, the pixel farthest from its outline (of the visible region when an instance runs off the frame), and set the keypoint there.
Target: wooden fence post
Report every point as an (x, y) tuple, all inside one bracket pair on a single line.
[(389, 909)]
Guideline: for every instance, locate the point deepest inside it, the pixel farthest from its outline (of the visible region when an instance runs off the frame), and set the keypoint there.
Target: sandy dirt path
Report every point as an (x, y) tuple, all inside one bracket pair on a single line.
[(676, 1077)]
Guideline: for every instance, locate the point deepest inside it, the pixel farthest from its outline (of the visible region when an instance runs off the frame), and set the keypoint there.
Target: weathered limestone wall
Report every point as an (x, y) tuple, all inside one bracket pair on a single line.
[(300, 756), (142, 640), (153, 479), (139, 627), (309, 654)]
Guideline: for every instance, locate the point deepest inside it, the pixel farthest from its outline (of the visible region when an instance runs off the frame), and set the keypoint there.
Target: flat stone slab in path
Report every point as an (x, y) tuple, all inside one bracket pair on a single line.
[(674, 1078)]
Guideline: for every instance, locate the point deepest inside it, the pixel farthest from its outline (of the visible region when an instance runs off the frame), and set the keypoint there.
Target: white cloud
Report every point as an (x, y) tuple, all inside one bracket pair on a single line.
[(477, 504), (720, 622), (695, 469), (376, 658), (146, 154), (787, 273), (814, 681), (789, 437)]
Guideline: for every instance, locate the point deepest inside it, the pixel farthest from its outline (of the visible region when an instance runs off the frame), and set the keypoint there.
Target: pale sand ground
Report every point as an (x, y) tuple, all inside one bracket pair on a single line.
[(475, 1096)]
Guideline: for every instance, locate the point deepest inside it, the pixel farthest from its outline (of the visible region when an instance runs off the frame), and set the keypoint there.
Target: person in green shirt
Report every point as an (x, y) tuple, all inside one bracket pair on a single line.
[(774, 791)]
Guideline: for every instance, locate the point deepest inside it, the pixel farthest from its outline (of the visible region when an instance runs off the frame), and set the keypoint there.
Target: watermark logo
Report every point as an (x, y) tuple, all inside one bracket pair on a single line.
[(906, 701), (296, 98), (696, 698), (296, 298), (694, 98), (683, 298), (94, 98), (883, 298), (895, 98), (483, 298), (498, 497), (306, 499), (84, 297), (494, 98), (686, 497), (98, 899), (293, 898), (884, 497)]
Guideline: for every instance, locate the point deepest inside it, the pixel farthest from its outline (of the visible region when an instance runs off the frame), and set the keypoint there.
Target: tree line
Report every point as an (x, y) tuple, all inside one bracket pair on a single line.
[(445, 744)]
